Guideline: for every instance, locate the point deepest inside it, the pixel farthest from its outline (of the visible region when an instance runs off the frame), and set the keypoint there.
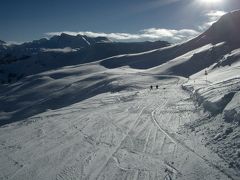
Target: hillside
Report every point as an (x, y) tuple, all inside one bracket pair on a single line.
[(89, 113), (220, 39), (59, 51)]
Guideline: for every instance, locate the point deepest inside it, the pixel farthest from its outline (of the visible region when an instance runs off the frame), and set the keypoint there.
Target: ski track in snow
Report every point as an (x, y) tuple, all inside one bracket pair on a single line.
[(109, 136)]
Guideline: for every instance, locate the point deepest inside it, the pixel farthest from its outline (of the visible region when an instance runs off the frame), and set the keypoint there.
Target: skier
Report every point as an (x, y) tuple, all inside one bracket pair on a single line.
[(156, 86), (151, 87)]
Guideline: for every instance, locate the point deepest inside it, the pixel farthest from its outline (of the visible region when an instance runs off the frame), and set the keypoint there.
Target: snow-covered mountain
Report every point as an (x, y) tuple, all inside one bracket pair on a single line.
[(65, 40), (3, 48), (55, 42), (88, 113), (220, 39), (225, 29), (2, 42), (59, 51), (78, 42)]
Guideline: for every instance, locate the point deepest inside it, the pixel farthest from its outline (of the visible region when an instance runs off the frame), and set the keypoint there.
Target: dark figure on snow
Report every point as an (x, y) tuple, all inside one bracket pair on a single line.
[(156, 86), (151, 87)]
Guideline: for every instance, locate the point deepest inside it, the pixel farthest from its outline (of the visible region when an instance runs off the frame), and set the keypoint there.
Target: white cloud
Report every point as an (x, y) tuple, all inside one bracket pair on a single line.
[(63, 50), (216, 13), (212, 17), (151, 34), (9, 43)]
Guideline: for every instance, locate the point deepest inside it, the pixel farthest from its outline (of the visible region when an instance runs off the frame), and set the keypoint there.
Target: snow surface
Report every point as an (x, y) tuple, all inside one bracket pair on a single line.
[(232, 110), (218, 94), (131, 134), (217, 89)]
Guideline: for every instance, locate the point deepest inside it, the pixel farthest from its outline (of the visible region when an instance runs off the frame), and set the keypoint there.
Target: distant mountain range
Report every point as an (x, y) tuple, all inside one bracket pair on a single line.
[(90, 44), (65, 40), (58, 51), (65, 50)]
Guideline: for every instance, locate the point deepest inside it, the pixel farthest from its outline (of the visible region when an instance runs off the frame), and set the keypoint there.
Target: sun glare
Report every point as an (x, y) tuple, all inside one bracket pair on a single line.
[(210, 1)]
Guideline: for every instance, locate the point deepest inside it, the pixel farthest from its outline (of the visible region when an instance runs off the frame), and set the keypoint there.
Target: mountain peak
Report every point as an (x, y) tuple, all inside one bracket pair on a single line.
[(62, 36), (65, 40), (2, 42), (65, 35), (227, 29)]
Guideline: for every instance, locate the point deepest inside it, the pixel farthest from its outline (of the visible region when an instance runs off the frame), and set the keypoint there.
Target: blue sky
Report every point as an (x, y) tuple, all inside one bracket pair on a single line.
[(125, 20)]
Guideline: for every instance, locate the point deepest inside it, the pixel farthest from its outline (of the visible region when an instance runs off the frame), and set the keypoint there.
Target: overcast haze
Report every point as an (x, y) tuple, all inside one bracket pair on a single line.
[(135, 20)]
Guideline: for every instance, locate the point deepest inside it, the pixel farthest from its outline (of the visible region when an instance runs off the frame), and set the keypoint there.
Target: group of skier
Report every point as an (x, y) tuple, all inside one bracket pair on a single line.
[(151, 87)]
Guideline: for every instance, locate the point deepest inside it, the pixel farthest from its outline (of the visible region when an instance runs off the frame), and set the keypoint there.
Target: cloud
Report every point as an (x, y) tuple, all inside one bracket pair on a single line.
[(151, 34), (154, 34), (63, 50), (112, 36), (212, 17), (9, 43), (216, 14), (170, 34)]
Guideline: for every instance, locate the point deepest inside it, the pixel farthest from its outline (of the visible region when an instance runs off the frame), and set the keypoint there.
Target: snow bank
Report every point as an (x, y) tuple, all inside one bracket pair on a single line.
[(215, 97), (218, 89), (232, 110)]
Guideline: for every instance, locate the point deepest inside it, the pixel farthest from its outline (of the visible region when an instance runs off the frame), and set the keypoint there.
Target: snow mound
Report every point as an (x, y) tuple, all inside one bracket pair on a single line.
[(232, 110), (215, 97), (218, 88)]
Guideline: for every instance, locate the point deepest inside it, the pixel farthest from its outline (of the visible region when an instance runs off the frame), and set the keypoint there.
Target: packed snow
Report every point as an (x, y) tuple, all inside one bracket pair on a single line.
[(218, 93), (129, 134)]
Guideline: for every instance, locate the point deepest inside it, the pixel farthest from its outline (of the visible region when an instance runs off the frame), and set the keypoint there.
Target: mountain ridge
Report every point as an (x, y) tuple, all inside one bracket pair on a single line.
[(65, 40), (2, 42), (159, 57)]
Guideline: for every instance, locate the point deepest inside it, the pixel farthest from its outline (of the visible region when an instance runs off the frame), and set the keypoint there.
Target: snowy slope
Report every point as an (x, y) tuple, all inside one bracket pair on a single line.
[(71, 118), (218, 94), (23, 60), (222, 35), (225, 29), (129, 134), (221, 81)]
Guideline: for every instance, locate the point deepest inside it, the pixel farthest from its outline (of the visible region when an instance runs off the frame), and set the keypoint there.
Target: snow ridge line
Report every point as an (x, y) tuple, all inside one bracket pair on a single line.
[(176, 141), (86, 41)]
